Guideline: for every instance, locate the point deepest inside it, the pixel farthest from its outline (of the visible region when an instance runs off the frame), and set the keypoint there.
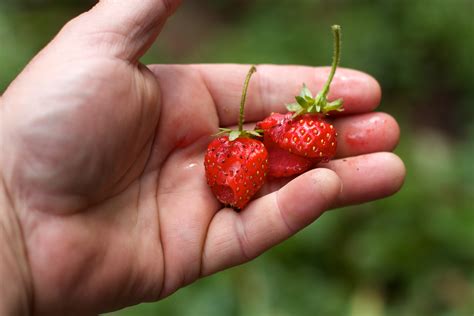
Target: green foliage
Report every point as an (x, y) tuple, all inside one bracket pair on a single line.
[(411, 254)]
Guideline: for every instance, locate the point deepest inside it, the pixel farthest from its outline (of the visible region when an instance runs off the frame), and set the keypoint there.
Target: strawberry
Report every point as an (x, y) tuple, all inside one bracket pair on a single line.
[(304, 136), (235, 163), (282, 163), (235, 170), (309, 136)]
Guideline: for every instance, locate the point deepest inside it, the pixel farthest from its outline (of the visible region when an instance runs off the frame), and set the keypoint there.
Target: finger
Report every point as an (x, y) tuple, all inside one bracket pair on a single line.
[(274, 86), (366, 133), (367, 177), (122, 28), (234, 238), (364, 178)]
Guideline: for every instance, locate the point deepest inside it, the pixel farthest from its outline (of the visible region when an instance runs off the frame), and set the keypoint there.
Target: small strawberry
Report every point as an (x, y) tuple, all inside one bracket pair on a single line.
[(236, 164), (305, 131)]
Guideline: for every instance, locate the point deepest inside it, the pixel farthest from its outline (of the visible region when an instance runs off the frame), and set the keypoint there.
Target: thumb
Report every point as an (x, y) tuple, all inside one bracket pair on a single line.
[(122, 28), (234, 238)]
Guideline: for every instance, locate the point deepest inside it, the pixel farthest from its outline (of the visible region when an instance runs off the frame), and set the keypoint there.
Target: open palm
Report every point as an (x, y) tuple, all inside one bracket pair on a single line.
[(102, 158)]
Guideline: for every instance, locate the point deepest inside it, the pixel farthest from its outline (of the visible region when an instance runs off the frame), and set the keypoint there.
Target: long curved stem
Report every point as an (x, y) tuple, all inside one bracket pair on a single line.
[(336, 29), (252, 70)]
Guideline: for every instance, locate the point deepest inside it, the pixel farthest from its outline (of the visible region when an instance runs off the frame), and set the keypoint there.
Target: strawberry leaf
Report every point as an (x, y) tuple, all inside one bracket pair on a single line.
[(293, 107), (301, 101), (254, 133), (234, 135), (309, 100), (222, 131), (305, 92), (333, 106)]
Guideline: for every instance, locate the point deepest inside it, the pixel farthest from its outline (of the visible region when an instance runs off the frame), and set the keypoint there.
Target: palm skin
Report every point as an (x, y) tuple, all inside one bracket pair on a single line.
[(104, 171)]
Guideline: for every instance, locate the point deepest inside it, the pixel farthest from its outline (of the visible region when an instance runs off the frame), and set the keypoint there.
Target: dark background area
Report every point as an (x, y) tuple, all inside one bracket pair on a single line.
[(410, 254)]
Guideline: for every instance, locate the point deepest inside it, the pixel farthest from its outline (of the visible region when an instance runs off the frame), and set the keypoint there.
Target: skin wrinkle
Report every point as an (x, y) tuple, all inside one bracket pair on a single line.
[(29, 293), (242, 238), (160, 237), (139, 81), (282, 213), (203, 244), (153, 149), (206, 85), (218, 109), (160, 294), (138, 211), (108, 39), (150, 29), (203, 249)]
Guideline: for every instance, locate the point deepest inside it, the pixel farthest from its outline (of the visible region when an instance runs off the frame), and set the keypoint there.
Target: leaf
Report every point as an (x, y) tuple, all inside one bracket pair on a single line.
[(301, 101), (234, 135), (309, 100), (334, 106), (254, 133), (293, 107), (305, 92)]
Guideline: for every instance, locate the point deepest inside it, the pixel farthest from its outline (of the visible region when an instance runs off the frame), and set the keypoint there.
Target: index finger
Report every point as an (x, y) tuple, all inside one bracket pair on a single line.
[(274, 86)]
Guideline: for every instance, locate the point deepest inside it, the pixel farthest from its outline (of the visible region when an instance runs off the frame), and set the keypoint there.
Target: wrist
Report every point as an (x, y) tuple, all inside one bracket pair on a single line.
[(15, 285)]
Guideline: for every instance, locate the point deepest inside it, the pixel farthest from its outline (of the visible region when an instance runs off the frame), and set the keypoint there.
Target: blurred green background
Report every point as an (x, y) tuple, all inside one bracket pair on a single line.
[(411, 254)]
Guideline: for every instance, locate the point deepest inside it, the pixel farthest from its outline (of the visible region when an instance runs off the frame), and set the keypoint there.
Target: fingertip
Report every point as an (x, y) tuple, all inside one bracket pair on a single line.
[(374, 86), (360, 91), (368, 177), (396, 167), (392, 131), (366, 133)]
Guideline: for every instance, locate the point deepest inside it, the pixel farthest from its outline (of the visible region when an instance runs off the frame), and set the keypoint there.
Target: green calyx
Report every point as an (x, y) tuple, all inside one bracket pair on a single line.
[(306, 103), (234, 134)]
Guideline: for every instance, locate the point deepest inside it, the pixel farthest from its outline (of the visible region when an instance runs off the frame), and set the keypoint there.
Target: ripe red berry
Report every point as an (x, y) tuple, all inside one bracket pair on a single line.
[(236, 164), (304, 136), (283, 163), (309, 136), (235, 170)]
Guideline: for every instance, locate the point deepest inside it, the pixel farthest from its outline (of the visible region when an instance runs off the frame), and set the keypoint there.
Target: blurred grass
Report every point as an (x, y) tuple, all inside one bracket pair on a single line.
[(411, 254)]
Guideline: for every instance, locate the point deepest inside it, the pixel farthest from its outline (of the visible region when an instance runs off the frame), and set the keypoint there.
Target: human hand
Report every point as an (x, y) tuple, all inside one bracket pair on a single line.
[(102, 171)]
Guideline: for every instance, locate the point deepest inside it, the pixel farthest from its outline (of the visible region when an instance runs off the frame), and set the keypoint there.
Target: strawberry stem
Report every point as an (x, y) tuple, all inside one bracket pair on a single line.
[(252, 70), (336, 30), (306, 103)]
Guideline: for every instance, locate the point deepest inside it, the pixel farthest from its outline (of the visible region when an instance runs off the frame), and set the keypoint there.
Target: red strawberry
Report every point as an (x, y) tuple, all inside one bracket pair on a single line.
[(235, 170), (282, 163), (309, 136), (303, 132), (236, 165)]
